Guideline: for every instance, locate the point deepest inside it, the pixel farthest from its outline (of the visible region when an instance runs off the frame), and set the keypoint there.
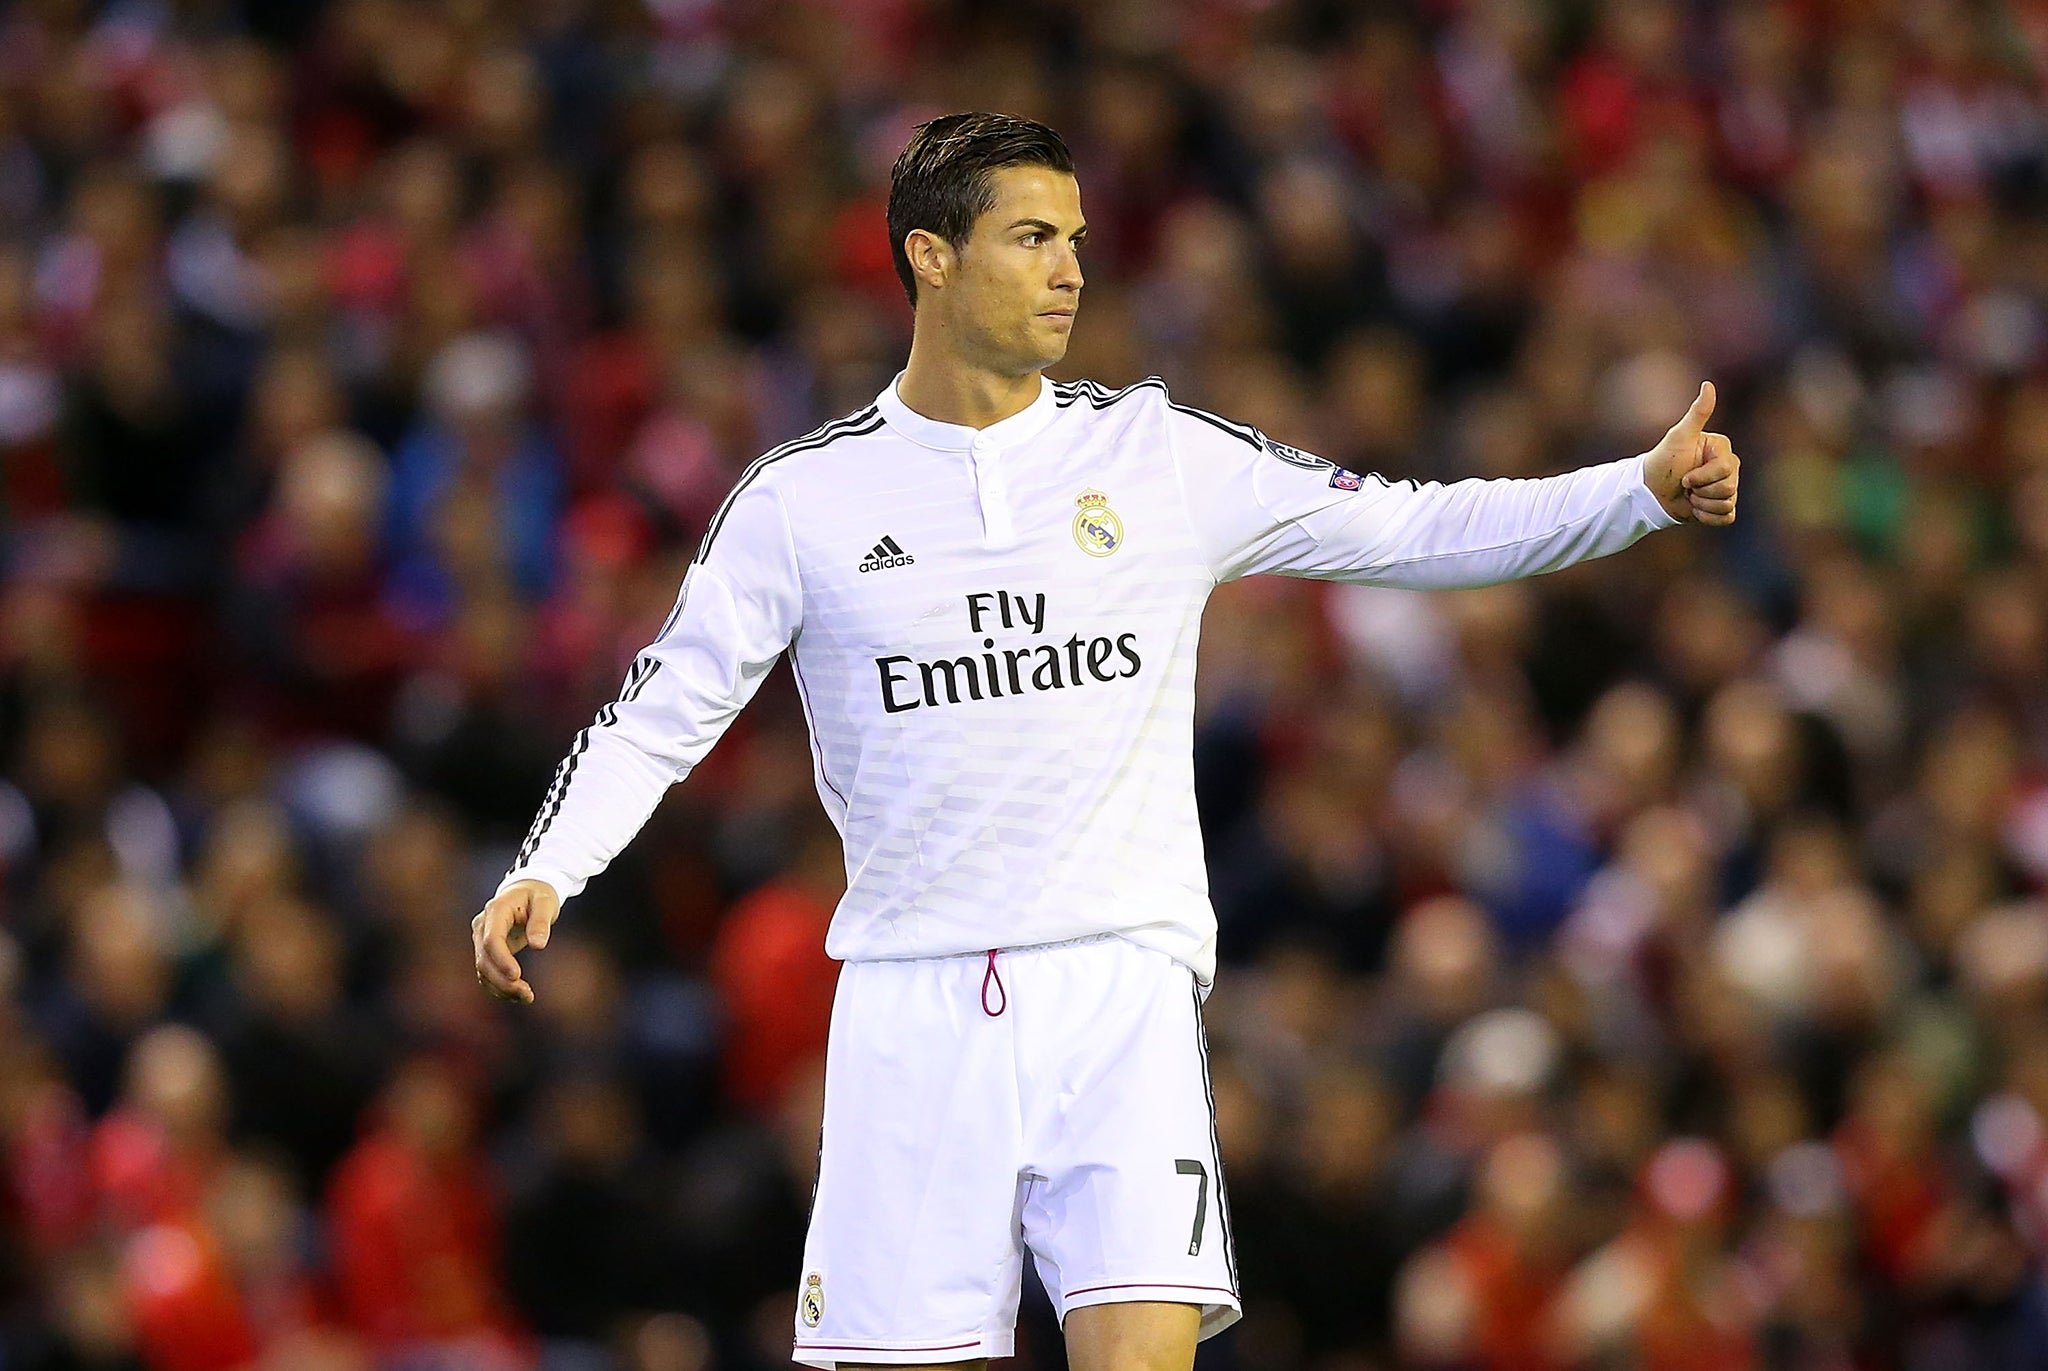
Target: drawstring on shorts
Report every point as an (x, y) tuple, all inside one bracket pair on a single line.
[(995, 977)]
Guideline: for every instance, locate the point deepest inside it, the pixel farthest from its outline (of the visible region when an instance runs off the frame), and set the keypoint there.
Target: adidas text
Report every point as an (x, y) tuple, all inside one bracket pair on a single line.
[(885, 554)]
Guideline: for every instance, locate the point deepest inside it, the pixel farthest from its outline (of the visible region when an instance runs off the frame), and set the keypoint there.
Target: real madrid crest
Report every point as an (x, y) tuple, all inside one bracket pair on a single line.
[(1096, 528), (812, 1307)]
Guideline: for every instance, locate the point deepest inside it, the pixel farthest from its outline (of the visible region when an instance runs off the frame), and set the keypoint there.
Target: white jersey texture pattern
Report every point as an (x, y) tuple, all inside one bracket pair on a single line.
[(993, 632)]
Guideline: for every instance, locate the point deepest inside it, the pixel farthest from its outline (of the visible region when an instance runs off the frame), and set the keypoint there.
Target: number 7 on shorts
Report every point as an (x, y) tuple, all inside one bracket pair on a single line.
[(1187, 1166)]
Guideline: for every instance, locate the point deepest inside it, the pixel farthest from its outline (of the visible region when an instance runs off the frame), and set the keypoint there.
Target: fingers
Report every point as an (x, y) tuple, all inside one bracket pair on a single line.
[(1717, 479), (1717, 461), (493, 933), (522, 916), (1711, 487)]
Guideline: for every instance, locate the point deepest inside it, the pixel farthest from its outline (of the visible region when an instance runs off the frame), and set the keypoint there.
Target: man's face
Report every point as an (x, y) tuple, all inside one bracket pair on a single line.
[(1014, 285)]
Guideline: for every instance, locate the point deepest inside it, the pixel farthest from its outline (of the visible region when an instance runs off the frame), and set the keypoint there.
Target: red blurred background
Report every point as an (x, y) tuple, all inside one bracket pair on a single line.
[(1643, 967)]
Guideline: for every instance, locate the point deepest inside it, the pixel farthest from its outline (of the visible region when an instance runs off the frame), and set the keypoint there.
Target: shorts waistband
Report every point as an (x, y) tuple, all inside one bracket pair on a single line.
[(1002, 949)]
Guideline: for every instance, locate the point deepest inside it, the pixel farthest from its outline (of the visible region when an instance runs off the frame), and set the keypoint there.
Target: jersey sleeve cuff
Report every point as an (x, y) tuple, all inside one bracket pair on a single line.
[(564, 886), (1647, 506)]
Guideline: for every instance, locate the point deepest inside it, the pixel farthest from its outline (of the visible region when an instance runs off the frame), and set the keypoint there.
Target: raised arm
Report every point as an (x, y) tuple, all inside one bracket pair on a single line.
[(739, 608), (1262, 506)]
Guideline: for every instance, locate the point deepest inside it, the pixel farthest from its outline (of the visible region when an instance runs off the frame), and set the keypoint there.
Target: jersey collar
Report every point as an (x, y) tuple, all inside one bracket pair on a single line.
[(959, 437)]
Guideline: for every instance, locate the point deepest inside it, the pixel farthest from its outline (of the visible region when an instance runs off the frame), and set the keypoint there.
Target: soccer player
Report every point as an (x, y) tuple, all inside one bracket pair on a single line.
[(989, 587)]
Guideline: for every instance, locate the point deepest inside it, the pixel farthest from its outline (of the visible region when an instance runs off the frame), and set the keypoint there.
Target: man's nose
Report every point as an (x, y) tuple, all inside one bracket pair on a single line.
[(1067, 275)]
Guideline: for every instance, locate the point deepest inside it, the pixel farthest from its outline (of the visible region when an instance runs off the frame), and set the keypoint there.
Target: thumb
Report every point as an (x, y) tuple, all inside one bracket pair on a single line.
[(1695, 421)]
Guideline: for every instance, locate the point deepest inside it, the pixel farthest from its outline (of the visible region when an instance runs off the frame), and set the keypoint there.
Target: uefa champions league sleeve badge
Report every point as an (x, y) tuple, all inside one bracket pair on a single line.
[(1097, 529)]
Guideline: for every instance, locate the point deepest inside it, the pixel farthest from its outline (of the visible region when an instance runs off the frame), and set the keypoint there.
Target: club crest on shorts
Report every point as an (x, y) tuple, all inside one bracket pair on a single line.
[(811, 1308), (1097, 530)]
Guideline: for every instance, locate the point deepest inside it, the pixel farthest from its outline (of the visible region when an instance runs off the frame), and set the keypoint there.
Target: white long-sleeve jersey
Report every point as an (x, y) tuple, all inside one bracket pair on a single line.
[(993, 633)]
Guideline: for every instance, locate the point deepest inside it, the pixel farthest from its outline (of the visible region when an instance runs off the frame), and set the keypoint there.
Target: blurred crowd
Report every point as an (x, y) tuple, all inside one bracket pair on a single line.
[(1643, 967)]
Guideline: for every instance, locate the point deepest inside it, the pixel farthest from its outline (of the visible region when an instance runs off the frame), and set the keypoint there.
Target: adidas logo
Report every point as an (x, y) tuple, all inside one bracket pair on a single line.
[(886, 554)]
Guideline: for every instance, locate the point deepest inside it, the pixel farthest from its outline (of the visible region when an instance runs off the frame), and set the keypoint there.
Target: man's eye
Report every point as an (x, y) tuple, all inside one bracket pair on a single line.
[(1031, 239)]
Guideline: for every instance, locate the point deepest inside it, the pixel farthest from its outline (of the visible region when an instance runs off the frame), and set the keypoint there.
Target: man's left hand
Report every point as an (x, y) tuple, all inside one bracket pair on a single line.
[(1694, 473)]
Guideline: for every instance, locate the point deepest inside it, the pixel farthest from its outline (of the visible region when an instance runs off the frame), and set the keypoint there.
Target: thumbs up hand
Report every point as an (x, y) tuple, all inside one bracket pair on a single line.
[(1694, 473)]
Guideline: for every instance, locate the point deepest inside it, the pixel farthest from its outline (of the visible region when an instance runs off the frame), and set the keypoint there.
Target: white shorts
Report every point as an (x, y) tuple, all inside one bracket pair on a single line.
[(1058, 1105)]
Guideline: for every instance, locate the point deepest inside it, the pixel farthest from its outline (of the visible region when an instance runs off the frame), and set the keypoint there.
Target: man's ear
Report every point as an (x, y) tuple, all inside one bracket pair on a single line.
[(933, 260)]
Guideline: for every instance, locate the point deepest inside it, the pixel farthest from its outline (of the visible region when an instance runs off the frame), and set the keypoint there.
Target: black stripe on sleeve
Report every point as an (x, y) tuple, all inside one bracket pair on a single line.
[(551, 804), (852, 426), (526, 844), (1243, 433), (1100, 397), (609, 715), (633, 692), (644, 669), (674, 613)]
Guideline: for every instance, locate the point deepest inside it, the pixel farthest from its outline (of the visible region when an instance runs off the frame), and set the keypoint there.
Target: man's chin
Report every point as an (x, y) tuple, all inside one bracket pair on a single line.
[(1052, 352), (1034, 353)]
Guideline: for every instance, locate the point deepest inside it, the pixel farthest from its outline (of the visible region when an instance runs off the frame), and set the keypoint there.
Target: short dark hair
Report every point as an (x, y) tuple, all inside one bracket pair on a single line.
[(941, 183)]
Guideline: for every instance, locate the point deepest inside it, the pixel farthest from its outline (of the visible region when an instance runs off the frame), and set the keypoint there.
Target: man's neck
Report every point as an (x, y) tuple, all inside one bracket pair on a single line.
[(945, 388)]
